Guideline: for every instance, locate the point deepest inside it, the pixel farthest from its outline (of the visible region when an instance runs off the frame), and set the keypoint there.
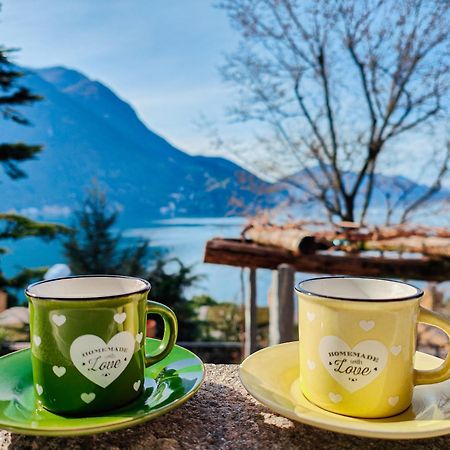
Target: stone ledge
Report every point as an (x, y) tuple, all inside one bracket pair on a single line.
[(220, 416)]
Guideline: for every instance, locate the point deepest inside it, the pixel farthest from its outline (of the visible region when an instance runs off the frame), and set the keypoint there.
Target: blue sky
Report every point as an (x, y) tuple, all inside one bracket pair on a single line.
[(159, 55), (162, 56)]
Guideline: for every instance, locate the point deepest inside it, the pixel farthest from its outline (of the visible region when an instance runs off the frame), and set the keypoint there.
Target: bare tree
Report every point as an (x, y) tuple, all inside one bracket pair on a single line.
[(342, 86)]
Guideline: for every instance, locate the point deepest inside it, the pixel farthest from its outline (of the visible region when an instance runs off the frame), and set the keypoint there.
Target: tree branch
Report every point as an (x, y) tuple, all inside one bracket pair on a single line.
[(433, 189), (309, 118), (368, 193)]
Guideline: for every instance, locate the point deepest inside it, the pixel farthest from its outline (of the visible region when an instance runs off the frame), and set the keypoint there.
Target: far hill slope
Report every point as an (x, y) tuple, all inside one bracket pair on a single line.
[(89, 133)]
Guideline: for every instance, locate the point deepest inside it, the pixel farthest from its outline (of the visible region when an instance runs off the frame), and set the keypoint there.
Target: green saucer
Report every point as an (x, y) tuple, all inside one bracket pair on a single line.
[(168, 384)]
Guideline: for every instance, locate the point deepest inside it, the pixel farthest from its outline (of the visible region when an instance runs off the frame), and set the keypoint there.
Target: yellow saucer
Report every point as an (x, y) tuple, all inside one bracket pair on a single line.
[(271, 376)]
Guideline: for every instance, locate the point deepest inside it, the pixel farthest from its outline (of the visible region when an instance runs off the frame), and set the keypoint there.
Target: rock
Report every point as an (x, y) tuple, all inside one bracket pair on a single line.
[(222, 415), (15, 317)]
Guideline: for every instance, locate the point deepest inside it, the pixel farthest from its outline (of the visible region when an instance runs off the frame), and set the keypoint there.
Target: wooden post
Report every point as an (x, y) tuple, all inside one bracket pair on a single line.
[(281, 305), (3, 300), (250, 315)]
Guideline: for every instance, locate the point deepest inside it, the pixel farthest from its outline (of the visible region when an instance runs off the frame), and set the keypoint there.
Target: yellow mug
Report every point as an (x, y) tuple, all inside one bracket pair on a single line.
[(357, 344)]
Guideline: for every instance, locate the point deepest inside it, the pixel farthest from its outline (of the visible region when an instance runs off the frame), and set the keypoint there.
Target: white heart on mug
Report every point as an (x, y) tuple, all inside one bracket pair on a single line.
[(39, 389), (335, 398), (366, 325), (59, 371), (139, 337), (58, 319), (396, 349), (37, 340), (311, 364), (137, 385), (393, 400), (353, 368), (311, 316), (102, 362), (120, 317), (87, 398)]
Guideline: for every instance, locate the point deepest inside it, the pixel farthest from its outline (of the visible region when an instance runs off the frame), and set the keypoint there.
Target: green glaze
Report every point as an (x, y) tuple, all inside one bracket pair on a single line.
[(88, 355), (170, 332), (168, 383)]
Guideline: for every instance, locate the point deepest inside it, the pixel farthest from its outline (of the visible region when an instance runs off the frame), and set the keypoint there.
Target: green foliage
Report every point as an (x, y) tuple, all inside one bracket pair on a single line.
[(23, 277), (14, 226), (3, 337), (13, 95), (93, 248), (223, 322), (11, 154), (203, 300)]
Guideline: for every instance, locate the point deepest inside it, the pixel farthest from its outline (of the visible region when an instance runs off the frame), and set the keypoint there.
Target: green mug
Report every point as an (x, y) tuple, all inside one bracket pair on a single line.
[(87, 338)]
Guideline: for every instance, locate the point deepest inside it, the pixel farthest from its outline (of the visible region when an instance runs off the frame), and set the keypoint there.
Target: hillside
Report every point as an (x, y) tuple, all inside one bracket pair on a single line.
[(89, 133)]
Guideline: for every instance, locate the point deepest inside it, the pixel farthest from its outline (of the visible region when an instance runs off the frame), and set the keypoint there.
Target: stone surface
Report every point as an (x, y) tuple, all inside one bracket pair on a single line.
[(220, 416)]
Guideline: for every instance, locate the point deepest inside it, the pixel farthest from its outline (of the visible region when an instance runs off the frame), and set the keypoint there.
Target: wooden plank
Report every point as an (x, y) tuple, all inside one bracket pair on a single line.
[(297, 241), (234, 252), (281, 305), (250, 315)]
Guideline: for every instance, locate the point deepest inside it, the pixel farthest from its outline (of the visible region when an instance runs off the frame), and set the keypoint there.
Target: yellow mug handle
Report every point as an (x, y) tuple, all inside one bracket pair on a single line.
[(442, 372)]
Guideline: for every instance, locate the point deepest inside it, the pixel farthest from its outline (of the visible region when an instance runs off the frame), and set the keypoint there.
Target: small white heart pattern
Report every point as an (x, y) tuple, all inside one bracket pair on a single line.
[(393, 400), (137, 385), (335, 398), (39, 389), (120, 318), (396, 349), (58, 319), (139, 337), (87, 398), (311, 364), (366, 325), (59, 371), (311, 316), (37, 340)]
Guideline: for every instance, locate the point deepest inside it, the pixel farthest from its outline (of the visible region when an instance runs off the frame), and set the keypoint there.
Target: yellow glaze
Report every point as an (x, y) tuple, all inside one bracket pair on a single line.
[(272, 375), (356, 357)]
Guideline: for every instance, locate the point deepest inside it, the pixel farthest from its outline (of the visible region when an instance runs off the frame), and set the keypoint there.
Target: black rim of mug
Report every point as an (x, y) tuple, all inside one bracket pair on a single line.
[(146, 288), (299, 289)]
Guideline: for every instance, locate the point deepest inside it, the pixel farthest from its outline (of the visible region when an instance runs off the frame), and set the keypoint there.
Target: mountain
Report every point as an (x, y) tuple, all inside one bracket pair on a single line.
[(395, 189), (89, 134)]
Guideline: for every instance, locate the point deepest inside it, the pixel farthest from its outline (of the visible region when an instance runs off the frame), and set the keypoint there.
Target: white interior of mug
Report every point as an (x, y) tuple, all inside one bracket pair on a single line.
[(87, 287), (354, 288)]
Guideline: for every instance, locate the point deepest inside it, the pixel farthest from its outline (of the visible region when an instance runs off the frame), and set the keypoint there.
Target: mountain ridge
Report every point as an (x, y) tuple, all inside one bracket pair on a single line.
[(90, 133)]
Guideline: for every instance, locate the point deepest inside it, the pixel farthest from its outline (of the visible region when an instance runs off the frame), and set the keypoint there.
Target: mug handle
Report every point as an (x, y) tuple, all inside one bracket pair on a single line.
[(442, 372), (170, 331)]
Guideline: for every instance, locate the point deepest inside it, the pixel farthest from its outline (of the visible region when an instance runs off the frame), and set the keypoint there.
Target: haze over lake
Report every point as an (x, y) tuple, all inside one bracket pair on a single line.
[(181, 238)]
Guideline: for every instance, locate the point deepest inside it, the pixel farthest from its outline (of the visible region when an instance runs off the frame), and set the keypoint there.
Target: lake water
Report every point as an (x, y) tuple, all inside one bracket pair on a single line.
[(186, 239), (181, 238)]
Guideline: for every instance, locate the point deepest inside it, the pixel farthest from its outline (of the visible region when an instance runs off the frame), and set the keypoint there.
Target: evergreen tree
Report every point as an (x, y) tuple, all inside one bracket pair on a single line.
[(14, 226), (93, 248), (13, 95)]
